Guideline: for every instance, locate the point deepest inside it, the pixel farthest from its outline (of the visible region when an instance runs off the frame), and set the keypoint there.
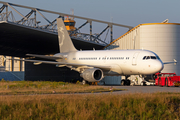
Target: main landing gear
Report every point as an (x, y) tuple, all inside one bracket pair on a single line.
[(84, 82), (126, 81)]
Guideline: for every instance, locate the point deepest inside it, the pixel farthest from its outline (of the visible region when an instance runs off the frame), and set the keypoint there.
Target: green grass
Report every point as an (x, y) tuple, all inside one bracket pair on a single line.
[(157, 106), (47, 87)]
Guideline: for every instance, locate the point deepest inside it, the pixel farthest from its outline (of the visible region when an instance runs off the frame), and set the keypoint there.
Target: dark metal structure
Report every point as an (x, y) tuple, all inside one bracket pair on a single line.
[(48, 72), (19, 36), (18, 40)]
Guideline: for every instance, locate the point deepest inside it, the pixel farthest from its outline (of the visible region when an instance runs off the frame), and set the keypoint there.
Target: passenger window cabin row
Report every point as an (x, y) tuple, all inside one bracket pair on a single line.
[(105, 58)]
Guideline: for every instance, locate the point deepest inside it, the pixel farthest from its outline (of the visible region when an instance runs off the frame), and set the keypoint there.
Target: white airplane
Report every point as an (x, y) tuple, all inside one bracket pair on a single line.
[(93, 65)]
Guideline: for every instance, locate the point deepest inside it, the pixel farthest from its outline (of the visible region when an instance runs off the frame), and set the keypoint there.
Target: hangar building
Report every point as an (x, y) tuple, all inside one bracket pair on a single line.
[(19, 37), (29, 34), (19, 40), (162, 38)]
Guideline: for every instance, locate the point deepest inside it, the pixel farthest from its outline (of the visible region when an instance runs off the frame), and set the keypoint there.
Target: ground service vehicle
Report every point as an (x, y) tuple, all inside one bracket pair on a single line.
[(167, 79)]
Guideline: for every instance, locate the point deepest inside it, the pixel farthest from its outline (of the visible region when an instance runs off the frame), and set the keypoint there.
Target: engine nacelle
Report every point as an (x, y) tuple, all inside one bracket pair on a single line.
[(92, 75)]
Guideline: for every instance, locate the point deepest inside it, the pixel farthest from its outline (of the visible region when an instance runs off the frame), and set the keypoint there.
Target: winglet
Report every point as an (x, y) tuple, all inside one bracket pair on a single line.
[(175, 61), (65, 42)]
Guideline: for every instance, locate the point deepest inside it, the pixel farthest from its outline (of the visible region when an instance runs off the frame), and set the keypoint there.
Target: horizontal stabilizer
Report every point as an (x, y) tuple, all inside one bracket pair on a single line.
[(37, 63), (175, 62)]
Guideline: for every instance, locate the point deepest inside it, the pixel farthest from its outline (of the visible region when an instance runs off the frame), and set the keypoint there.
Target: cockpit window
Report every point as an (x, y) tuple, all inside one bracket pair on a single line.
[(153, 57), (150, 57), (144, 57)]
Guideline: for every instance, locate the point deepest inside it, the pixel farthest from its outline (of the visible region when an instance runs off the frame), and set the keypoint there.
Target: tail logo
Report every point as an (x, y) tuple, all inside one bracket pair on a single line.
[(61, 30)]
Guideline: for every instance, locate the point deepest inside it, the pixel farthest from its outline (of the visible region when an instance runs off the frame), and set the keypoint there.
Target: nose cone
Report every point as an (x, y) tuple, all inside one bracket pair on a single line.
[(159, 66)]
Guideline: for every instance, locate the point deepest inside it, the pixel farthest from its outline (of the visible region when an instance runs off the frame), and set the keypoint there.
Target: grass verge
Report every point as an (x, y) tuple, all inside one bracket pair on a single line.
[(91, 107), (46, 87)]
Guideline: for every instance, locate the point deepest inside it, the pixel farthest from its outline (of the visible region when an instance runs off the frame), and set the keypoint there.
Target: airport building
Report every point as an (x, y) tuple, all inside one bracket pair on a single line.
[(32, 35), (161, 38), (10, 69)]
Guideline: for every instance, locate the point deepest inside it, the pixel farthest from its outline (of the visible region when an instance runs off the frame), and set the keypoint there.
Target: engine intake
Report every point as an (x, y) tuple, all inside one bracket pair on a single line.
[(92, 75)]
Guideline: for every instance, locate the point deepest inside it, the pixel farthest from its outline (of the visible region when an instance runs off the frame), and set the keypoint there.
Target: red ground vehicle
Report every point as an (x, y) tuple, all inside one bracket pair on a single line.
[(167, 79)]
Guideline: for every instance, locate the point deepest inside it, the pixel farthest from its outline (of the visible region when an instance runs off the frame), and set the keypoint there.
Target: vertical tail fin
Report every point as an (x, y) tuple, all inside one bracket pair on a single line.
[(65, 42)]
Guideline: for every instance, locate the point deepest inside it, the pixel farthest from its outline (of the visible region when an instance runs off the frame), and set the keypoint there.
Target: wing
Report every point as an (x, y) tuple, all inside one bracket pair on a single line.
[(37, 62), (45, 57)]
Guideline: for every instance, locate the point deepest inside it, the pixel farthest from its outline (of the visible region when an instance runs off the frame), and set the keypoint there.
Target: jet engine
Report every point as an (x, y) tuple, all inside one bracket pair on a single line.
[(92, 75)]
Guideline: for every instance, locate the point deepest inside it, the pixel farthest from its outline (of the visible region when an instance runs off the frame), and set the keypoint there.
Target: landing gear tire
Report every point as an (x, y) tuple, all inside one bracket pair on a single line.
[(123, 82), (90, 83), (128, 82), (84, 82), (144, 83)]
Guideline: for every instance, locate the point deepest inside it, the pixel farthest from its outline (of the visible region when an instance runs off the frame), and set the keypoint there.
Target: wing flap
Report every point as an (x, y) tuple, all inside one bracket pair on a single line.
[(45, 57)]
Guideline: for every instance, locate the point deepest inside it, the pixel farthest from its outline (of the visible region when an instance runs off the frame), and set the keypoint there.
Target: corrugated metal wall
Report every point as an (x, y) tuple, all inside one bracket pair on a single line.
[(163, 39), (130, 40)]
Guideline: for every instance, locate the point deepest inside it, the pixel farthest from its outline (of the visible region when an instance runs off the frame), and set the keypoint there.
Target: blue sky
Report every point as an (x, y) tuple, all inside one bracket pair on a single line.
[(127, 12)]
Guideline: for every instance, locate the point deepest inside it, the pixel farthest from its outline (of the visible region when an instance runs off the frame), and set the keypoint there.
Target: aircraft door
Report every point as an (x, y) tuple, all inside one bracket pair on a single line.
[(134, 60)]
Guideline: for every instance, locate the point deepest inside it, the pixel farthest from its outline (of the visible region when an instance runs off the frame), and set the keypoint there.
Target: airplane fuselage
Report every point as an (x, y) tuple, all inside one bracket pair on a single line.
[(122, 62)]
